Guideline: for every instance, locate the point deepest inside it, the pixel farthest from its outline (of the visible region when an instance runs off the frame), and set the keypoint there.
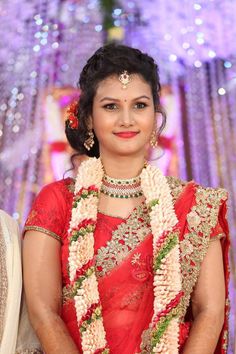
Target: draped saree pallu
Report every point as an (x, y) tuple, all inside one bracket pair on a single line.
[(130, 280)]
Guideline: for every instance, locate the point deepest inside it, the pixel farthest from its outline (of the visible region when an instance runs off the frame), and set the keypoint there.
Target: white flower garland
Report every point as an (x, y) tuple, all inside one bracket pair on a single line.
[(167, 274), (167, 279)]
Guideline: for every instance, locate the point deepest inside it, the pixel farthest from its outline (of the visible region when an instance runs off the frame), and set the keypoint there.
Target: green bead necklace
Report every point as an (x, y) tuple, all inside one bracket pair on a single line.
[(121, 188)]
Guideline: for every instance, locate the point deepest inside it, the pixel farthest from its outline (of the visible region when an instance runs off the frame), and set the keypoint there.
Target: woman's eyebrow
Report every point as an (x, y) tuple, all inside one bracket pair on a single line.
[(109, 99), (117, 100), (140, 97)]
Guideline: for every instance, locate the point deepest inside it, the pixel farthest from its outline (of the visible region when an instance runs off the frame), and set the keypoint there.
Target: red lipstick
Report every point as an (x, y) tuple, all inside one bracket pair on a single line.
[(126, 135)]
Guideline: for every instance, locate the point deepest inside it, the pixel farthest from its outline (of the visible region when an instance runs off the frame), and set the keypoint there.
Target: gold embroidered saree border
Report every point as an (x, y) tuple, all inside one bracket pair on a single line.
[(132, 231), (226, 332), (201, 219), (177, 186), (42, 229)]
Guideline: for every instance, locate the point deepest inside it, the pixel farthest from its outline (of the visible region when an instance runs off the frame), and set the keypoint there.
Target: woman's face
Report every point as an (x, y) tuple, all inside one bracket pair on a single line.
[(123, 119)]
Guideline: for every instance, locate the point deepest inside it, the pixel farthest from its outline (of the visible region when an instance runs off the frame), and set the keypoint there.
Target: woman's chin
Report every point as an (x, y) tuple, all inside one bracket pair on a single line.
[(128, 152), (124, 149)]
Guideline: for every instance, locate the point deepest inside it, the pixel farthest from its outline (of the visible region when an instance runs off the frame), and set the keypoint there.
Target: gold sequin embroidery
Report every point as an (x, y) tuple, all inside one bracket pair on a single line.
[(145, 346), (131, 232), (226, 333), (176, 186), (201, 219)]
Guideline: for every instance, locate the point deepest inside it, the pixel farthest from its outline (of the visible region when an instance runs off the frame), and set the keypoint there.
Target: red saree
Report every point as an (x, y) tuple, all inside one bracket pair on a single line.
[(123, 253)]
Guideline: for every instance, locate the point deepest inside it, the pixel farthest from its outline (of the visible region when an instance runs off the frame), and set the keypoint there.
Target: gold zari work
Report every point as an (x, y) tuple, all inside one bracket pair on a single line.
[(226, 333), (45, 231), (201, 220), (176, 186), (132, 232)]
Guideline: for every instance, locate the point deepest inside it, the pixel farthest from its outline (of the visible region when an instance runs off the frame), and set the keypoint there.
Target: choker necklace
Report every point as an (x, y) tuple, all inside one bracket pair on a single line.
[(121, 188)]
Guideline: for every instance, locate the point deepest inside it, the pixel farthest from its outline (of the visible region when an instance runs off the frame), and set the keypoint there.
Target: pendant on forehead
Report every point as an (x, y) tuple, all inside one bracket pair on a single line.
[(125, 79)]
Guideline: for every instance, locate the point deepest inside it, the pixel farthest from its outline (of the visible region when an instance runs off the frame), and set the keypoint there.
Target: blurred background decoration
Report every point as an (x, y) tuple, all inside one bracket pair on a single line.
[(44, 45)]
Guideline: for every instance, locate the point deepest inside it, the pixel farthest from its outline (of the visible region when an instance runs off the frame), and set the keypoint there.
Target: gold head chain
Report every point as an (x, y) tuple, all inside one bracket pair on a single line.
[(125, 79)]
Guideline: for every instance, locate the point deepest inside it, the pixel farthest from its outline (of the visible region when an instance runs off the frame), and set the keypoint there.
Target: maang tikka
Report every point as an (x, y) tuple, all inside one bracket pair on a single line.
[(125, 79)]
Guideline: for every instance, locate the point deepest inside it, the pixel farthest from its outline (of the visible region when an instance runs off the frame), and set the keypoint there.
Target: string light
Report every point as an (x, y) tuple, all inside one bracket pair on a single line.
[(221, 91), (39, 49)]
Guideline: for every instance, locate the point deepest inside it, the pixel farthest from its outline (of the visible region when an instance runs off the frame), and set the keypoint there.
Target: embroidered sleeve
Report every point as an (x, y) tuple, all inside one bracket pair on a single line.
[(48, 213)]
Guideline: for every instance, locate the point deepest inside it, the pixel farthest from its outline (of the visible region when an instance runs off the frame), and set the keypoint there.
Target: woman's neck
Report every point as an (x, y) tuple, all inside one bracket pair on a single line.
[(123, 167)]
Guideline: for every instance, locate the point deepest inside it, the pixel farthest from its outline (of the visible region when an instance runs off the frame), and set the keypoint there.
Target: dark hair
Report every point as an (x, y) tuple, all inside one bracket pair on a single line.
[(109, 60)]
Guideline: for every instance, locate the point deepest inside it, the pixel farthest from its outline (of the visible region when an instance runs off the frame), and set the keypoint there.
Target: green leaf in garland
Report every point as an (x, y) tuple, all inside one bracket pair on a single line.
[(172, 242), (162, 326), (153, 203)]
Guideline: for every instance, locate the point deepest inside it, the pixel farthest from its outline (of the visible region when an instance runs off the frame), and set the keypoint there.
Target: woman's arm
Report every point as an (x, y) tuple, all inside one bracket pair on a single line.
[(42, 282), (208, 302)]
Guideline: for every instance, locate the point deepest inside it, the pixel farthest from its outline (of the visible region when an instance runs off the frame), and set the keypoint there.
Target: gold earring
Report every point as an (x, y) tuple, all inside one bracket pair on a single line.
[(153, 139), (89, 142)]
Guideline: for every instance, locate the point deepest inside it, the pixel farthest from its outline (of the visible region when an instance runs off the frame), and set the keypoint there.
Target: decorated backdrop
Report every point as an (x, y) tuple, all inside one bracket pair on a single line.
[(44, 45)]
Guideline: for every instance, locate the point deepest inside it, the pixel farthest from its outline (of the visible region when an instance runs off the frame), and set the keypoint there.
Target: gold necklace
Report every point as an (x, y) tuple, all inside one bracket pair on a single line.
[(121, 188)]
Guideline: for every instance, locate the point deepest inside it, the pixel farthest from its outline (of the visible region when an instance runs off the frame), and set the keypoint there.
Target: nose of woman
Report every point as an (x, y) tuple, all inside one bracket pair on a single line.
[(126, 117)]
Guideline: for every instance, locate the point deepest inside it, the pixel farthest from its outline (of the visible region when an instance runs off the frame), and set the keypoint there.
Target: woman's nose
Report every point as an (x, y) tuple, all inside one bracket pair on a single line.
[(126, 118)]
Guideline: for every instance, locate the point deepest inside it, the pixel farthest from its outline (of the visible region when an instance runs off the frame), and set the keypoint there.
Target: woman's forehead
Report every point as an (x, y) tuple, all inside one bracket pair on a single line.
[(113, 87)]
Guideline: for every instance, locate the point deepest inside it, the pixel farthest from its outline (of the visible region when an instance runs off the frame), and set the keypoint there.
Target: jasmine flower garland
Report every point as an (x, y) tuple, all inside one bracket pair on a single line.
[(167, 272)]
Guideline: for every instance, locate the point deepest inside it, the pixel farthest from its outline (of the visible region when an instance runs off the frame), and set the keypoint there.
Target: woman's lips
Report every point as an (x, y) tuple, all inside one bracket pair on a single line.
[(126, 135)]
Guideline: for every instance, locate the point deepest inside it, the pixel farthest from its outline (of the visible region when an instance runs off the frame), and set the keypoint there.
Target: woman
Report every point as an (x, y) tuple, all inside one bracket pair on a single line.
[(130, 266), (16, 334), (11, 280)]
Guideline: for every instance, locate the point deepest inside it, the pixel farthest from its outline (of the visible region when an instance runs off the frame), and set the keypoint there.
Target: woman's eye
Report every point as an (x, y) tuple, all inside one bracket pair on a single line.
[(140, 105), (110, 106)]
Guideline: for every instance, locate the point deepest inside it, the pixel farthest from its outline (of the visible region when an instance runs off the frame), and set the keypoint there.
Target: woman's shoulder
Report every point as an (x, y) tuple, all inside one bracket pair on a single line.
[(62, 186), (55, 195), (212, 194), (51, 208)]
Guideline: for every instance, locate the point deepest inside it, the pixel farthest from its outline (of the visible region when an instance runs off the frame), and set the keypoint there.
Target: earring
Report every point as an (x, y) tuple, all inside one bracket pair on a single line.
[(153, 139), (89, 142)]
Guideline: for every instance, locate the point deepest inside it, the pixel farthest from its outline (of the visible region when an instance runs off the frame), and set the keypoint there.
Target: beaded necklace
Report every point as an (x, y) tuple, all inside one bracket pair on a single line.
[(121, 188)]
